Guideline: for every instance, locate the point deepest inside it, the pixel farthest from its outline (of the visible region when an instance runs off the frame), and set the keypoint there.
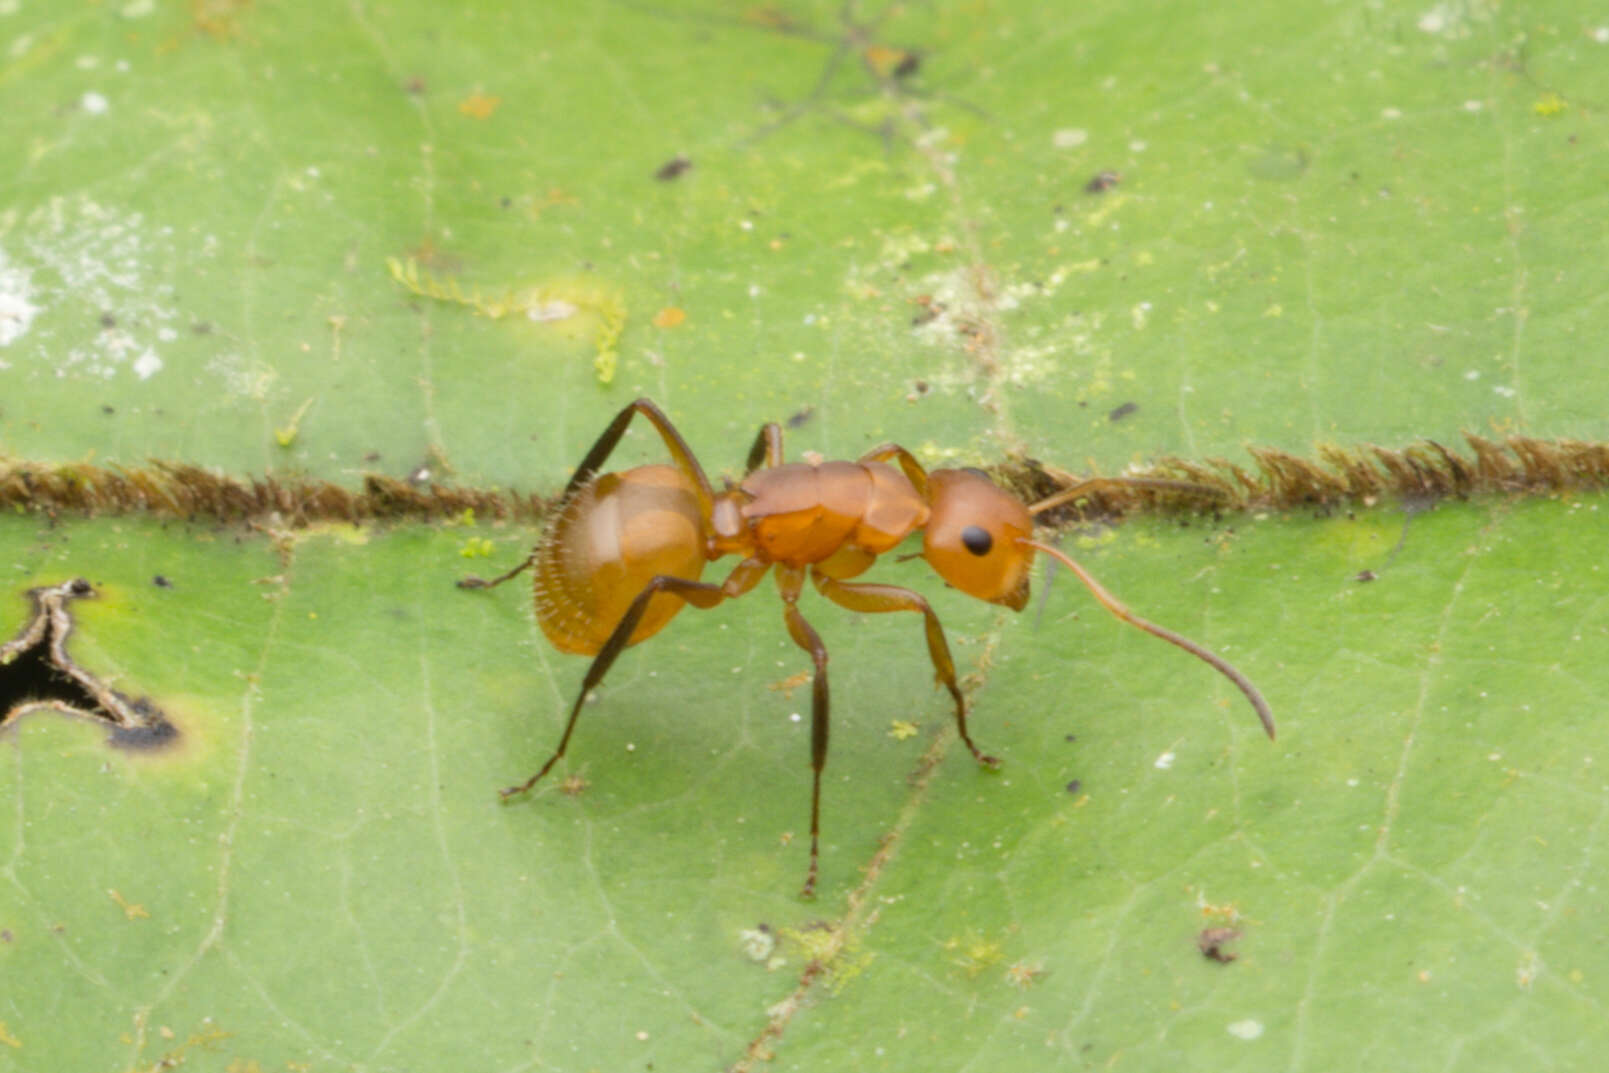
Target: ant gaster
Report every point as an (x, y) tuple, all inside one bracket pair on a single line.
[(623, 553)]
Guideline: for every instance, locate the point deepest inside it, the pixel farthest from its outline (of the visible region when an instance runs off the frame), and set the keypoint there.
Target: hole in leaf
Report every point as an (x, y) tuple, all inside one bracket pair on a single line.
[(37, 673)]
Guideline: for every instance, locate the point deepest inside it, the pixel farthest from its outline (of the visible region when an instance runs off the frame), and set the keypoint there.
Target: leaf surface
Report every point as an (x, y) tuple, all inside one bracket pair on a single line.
[(1092, 237)]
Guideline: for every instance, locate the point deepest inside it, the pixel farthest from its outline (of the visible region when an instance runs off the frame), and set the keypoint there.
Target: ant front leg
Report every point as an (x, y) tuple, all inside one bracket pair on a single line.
[(700, 594), (790, 581), (876, 599)]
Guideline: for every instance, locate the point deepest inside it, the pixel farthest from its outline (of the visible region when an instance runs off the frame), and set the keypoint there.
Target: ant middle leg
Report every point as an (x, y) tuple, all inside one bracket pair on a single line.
[(700, 594), (876, 599)]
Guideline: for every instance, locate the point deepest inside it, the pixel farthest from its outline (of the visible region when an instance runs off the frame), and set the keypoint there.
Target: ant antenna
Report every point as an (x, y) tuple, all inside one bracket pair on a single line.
[(1084, 487), (1118, 608)]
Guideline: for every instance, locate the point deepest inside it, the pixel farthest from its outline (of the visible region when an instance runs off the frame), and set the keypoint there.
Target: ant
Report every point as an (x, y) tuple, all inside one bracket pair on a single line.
[(623, 553)]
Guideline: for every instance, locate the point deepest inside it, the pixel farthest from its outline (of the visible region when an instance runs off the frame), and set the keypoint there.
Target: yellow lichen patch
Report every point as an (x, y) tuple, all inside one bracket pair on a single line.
[(1105, 209), (787, 685), (1022, 975), (286, 435), (837, 953), (1549, 105), (669, 317), (561, 299), (205, 1040), (131, 910), (218, 19), (340, 532), (477, 548), (888, 61), (535, 206), (974, 954), (479, 105), (769, 17), (901, 729), (1228, 912)]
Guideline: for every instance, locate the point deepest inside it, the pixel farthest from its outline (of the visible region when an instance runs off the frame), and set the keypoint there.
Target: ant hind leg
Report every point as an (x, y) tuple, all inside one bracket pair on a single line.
[(680, 453), (473, 582), (700, 594), (767, 450)]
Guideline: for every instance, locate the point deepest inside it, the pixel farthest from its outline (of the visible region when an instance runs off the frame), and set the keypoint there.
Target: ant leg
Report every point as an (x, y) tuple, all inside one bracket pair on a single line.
[(790, 580), (767, 449), (700, 594), (875, 599), (680, 453), (473, 582), (907, 462)]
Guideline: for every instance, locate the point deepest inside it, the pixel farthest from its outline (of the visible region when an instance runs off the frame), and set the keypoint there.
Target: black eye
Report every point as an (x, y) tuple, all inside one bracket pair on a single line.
[(977, 540), (976, 472)]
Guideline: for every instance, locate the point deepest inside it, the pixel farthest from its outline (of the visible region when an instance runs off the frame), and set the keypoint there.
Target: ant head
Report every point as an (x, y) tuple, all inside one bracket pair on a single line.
[(974, 538)]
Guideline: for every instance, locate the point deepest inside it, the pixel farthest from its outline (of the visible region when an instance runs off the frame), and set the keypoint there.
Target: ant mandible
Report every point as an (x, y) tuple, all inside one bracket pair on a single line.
[(623, 553)]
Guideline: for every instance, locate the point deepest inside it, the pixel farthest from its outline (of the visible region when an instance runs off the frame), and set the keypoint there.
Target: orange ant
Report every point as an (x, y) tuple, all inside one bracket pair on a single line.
[(623, 553)]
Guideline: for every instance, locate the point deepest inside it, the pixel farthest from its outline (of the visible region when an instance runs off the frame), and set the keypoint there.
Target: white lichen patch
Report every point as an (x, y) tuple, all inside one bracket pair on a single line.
[(90, 280), (1455, 18), (968, 310), (757, 944), (241, 377), (1248, 1029), (976, 316), (16, 310)]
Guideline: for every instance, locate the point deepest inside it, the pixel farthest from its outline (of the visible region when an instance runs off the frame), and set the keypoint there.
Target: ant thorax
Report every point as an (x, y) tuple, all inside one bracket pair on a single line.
[(800, 514)]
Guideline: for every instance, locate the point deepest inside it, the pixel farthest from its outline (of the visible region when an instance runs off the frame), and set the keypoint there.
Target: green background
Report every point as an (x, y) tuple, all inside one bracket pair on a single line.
[(1330, 224)]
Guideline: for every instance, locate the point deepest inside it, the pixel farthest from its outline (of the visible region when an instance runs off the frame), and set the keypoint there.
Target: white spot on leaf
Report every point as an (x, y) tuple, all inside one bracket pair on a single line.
[(16, 311), (96, 275)]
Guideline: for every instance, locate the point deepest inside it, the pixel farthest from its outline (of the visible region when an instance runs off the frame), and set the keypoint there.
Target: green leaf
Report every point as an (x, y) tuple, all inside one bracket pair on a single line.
[(416, 241)]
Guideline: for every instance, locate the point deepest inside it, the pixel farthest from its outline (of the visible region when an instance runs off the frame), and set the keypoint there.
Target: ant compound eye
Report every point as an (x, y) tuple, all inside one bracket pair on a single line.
[(976, 472), (977, 540)]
